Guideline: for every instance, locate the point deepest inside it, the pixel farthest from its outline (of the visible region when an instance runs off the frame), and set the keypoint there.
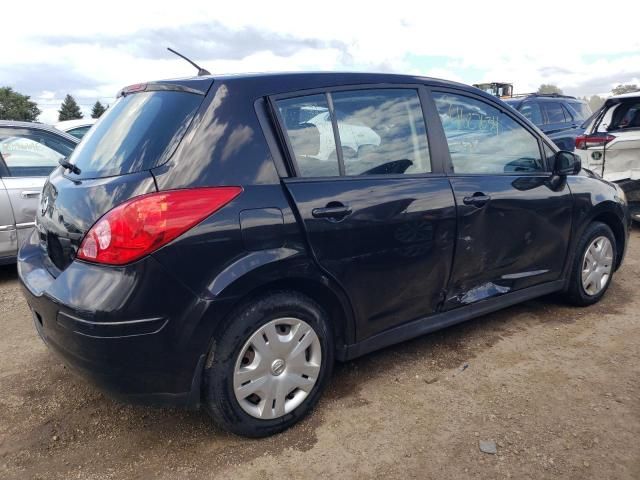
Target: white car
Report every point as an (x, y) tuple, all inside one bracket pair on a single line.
[(352, 136), (77, 128), (610, 145)]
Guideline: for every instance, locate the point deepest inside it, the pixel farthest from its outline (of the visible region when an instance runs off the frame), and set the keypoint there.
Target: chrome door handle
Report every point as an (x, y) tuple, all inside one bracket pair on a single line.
[(477, 200), (332, 211), (30, 193)]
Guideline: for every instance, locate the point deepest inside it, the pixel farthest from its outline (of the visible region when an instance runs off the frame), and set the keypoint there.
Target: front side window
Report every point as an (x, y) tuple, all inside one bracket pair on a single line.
[(582, 109), (30, 153), (484, 140), (554, 112), (380, 131), (531, 111)]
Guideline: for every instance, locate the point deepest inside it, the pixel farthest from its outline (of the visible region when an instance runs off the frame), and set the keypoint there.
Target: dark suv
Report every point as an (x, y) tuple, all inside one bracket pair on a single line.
[(223, 240), (560, 117)]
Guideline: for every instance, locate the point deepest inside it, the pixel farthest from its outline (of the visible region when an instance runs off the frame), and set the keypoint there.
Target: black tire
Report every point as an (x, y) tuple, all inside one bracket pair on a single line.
[(576, 293), (219, 397)]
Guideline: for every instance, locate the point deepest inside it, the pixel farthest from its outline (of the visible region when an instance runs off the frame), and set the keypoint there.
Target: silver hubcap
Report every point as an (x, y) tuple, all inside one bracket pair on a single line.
[(596, 265), (277, 368)]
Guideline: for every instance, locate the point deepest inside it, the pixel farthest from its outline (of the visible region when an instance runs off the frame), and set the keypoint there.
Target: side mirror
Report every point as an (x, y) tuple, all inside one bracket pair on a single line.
[(566, 163)]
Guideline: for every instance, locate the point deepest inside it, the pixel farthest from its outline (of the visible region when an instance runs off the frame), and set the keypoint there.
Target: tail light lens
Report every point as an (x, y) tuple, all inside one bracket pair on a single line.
[(143, 224), (596, 140)]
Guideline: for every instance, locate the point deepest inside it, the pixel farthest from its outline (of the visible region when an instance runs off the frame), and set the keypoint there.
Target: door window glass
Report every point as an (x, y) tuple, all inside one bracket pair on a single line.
[(531, 111), (80, 131), (567, 114), (308, 126), (582, 110), (32, 153), (382, 132), (484, 140), (554, 112)]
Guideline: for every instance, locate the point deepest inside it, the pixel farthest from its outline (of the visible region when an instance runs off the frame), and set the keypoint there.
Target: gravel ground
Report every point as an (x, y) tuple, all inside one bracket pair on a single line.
[(556, 388)]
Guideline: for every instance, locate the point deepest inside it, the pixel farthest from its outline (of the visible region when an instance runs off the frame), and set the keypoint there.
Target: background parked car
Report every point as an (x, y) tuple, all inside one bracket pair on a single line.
[(610, 145), (77, 128), (560, 117), (28, 154)]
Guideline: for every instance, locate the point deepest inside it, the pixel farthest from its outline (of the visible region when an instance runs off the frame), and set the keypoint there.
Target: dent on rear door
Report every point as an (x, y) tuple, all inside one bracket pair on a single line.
[(7, 225)]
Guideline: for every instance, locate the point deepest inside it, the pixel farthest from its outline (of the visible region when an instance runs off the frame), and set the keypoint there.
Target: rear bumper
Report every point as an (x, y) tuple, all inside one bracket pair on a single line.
[(135, 331)]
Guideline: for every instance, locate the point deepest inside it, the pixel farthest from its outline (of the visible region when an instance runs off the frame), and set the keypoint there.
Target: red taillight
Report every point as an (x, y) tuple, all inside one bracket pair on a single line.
[(595, 140), (143, 224)]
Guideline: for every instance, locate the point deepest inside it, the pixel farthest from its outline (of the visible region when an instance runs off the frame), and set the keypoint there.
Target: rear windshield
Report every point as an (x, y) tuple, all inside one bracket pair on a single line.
[(138, 132)]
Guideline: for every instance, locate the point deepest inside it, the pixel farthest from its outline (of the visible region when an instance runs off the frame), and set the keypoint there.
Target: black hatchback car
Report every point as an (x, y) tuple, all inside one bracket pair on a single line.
[(560, 117), (223, 240)]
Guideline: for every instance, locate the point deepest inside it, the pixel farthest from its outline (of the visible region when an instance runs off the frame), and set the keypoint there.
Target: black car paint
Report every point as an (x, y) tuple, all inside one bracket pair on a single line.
[(143, 330)]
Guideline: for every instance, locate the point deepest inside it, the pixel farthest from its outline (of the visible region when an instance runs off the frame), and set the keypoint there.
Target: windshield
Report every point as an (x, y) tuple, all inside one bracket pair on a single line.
[(138, 132)]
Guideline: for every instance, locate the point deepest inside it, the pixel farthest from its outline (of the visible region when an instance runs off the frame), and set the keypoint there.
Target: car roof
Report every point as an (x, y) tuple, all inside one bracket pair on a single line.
[(626, 95), (38, 126), (273, 83), (69, 124)]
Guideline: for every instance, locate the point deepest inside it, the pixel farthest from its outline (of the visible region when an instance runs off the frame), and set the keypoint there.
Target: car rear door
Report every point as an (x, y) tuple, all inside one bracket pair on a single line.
[(513, 220), (29, 156), (370, 190)]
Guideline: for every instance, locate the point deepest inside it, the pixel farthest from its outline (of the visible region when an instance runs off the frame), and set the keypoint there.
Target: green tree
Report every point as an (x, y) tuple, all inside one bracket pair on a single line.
[(549, 88), (15, 106), (97, 110), (628, 88), (595, 102), (69, 109)]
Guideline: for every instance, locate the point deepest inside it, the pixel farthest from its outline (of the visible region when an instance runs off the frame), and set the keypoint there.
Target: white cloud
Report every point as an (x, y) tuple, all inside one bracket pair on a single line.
[(566, 43)]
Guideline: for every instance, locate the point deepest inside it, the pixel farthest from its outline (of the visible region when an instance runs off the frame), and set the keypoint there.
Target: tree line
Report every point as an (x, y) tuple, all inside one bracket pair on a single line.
[(16, 106), (594, 101)]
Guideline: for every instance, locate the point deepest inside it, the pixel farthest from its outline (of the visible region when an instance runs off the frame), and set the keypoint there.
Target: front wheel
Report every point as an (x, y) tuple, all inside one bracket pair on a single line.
[(269, 365), (593, 265)]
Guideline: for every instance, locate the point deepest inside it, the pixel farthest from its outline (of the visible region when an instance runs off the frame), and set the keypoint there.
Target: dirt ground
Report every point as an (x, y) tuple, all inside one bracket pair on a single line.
[(557, 388)]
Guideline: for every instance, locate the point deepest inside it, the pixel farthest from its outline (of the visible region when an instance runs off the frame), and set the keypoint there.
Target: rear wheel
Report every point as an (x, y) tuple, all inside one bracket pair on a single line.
[(593, 265), (269, 366)]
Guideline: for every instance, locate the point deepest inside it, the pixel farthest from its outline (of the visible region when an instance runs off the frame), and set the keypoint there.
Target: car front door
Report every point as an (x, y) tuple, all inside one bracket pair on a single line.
[(514, 219), (28, 156), (377, 208), (560, 125)]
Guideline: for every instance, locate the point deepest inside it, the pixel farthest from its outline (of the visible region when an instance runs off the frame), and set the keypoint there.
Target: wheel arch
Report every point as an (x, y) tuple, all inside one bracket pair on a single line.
[(616, 224), (310, 282)]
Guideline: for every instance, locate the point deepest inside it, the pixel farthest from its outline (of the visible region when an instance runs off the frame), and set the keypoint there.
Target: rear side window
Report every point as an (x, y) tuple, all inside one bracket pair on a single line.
[(31, 153), (627, 115), (380, 131), (307, 122), (138, 132), (554, 112), (79, 132), (483, 140)]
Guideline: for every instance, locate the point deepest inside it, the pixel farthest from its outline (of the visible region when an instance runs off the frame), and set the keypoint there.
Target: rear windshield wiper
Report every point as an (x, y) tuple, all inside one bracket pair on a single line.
[(69, 166)]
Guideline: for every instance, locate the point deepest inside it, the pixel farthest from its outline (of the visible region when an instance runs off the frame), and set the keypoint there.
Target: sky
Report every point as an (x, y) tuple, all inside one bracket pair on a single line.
[(91, 49)]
